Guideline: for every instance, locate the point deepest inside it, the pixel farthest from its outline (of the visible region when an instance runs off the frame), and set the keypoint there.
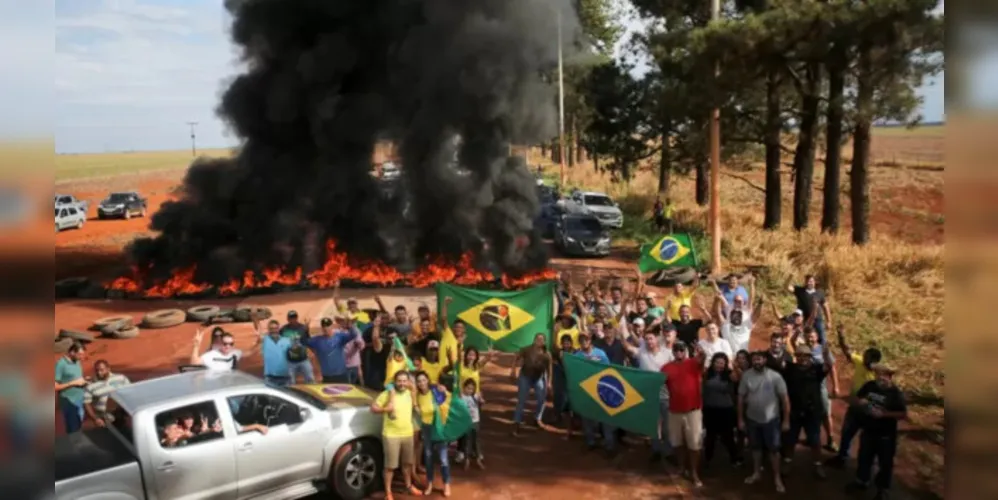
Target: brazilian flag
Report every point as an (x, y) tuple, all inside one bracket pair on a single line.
[(672, 250), (507, 321), (615, 395), (451, 417)]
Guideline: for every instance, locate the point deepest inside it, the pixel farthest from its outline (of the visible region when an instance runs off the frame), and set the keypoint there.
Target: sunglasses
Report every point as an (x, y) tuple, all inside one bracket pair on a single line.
[(228, 344)]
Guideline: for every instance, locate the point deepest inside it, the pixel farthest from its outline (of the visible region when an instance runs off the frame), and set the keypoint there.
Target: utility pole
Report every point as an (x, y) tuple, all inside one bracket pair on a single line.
[(194, 148), (561, 107), (715, 167)]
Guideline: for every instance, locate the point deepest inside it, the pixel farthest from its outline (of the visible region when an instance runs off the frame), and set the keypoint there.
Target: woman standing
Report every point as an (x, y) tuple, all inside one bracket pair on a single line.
[(433, 451), (719, 416)]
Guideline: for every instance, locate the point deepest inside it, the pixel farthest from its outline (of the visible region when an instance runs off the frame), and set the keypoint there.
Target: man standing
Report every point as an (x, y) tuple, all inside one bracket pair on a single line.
[(862, 373), (274, 348), (684, 380), (688, 328), (615, 348), (69, 384), (762, 393), (95, 397), (813, 304), (651, 356), (590, 427), (807, 410), (298, 362), (535, 364), (883, 405), (397, 431), (713, 344), (329, 346)]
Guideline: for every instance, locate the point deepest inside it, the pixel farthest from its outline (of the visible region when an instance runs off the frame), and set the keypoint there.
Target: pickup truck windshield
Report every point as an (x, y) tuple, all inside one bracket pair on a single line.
[(310, 399), (580, 224), (601, 201), (118, 197), (64, 199)]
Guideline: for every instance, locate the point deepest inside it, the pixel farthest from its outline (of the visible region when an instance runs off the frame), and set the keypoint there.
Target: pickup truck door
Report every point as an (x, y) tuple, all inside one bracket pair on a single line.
[(290, 453), (202, 468)]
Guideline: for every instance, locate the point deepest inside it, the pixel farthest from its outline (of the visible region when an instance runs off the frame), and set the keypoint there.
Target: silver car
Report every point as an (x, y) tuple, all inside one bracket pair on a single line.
[(69, 217), (315, 438)]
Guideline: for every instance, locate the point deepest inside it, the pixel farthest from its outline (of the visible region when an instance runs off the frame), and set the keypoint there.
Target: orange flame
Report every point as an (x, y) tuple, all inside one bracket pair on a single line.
[(337, 266)]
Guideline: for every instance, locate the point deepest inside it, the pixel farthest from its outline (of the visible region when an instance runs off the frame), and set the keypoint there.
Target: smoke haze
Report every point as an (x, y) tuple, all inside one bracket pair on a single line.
[(325, 81)]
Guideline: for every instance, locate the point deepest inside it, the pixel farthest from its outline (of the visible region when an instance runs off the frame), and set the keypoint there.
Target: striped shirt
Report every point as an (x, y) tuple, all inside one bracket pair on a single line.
[(97, 392)]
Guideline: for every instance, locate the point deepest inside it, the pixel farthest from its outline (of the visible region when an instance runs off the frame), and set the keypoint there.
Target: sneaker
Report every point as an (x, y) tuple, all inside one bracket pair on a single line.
[(459, 457), (836, 462)]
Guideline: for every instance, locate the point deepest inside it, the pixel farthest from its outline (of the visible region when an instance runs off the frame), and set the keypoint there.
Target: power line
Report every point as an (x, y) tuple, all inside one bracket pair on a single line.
[(194, 148)]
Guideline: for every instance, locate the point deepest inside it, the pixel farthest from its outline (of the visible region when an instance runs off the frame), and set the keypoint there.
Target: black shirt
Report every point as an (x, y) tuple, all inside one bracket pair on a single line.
[(886, 399), (418, 348), (809, 303), (781, 363), (804, 388), (689, 333), (615, 351)]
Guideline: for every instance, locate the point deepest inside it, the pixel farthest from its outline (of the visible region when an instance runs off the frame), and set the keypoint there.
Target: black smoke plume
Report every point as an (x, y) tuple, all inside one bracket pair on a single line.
[(325, 81)]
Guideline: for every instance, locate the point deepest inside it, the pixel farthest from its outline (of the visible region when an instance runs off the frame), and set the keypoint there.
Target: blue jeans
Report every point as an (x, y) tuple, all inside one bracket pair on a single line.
[(589, 432), (434, 450), (72, 415), (819, 327), (764, 436), (277, 380), (662, 445), (304, 368), (850, 427), (524, 385), (353, 375)]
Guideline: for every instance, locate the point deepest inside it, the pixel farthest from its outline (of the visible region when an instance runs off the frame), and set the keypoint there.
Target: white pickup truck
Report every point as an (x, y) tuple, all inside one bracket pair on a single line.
[(197, 435)]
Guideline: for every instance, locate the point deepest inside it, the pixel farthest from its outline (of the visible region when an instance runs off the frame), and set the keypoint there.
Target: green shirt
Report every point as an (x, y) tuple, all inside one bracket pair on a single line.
[(68, 371), (656, 312)]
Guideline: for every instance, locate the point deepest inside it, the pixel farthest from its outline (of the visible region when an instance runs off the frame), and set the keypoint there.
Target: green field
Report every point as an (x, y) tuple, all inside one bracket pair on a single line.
[(84, 166)]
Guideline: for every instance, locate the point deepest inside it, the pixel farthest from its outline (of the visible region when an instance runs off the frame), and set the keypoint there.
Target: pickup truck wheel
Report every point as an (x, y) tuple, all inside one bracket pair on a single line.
[(356, 472)]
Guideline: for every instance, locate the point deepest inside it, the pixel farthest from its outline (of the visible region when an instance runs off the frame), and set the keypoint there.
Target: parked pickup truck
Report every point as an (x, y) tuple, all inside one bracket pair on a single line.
[(68, 200), (124, 204), (316, 438)]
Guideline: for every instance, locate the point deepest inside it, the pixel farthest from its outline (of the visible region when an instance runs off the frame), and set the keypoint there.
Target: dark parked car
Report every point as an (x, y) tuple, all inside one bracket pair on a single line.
[(126, 205), (547, 219), (581, 234)]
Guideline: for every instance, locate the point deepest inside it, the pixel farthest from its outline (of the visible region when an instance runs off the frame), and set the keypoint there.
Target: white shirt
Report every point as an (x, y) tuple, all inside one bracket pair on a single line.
[(737, 336), (215, 360), (711, 348), (654, 363)]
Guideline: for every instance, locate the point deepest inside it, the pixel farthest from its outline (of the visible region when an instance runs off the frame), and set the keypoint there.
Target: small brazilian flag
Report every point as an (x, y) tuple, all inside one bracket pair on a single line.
[(507, 321), (451, 417), (672, 250), (627, 398)]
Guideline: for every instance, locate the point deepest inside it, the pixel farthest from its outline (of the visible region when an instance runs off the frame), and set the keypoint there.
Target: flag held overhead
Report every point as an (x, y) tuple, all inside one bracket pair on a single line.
[(673, 250), (506, 321), (622, 397)]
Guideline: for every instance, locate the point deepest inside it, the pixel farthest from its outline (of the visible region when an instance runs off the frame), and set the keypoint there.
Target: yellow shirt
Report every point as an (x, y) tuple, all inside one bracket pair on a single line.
[(359, 316), (571, 332), (608, 321), (400, 426), (418, 330), (470, 373), (433, 370), (391, 368), (860, 375), (677, 301), (425, 403), (449, 346)]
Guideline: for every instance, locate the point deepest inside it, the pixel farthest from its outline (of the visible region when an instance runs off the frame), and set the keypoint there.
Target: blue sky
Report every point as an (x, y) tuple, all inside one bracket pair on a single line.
[(129, 74)]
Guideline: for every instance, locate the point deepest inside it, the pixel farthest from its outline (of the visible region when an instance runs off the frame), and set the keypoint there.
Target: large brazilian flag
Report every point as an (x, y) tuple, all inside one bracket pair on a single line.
[(672, 250), (623, 397), (507, 321)]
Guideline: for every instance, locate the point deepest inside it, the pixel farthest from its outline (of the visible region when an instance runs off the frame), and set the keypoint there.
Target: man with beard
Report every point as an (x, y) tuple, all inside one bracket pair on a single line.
[(451, 337), (400, 322), (298, 362), (97, 392), (616, 302), (615, 348), (535, 364), (329, 348), (778, 358), (684, 381), (819, 353), (688, 328), (807, 410), (762, 393), (682, 296), (732, 288), (882, 404)]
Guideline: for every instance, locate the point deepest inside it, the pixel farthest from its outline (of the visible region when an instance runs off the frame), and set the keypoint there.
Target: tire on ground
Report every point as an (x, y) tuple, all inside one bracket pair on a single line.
[(245, 313), (110, 324), (164, 318), (62, 344), (76, 335), (358, 460), (203, 313), (69, 288), (669, 277), (126, 333)]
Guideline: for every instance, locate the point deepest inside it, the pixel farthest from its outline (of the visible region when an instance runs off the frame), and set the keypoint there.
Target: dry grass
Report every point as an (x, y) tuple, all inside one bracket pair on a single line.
[(86, 166)]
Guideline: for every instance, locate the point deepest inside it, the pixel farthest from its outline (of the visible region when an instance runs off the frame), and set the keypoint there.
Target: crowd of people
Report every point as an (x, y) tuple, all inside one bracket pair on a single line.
[(756, 403)]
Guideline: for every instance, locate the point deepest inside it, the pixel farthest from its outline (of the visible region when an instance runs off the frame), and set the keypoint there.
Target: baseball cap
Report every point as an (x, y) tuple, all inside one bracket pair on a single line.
[(326, 322), (433, 344), (638, 321), (797, 312), (292, 314)]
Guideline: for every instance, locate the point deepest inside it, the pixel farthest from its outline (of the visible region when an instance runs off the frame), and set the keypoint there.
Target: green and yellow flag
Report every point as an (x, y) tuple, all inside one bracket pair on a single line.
[(622, 397), (507, 321), (672, 250)]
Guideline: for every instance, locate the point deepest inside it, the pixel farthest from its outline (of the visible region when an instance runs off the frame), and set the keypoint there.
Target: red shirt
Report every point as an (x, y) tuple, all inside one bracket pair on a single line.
[(684, 379)]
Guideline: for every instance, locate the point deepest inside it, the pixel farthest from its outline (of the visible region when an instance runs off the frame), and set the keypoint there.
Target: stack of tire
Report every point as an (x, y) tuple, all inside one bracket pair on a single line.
[(211, 314), (669, 277)]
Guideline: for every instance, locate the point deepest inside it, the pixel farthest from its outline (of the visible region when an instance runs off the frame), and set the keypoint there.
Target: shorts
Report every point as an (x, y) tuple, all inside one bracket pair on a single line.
[(398, 450), (685, 429), (810, 424), (765, 436)]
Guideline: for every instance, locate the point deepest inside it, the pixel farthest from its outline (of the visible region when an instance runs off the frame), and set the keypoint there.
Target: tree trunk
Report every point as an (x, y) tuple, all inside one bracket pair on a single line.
[(572, 144), (555, 151), (833, 145), (665, 163), (544, 149), (702, 183), (774, 125), (859, 182), (804, 154), (595, 162), (580, 153)]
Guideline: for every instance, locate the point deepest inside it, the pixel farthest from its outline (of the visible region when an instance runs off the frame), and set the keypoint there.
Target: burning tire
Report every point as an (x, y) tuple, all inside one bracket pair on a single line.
[(126, 333), (202, 314), (245, 314), (669, 277), (74, 335), (164, 318), (69, 288), (62, 345), (111, 324)]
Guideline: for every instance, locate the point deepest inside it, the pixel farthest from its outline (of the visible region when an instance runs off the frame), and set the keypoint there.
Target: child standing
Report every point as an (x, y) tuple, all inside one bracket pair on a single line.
[(473, 399)]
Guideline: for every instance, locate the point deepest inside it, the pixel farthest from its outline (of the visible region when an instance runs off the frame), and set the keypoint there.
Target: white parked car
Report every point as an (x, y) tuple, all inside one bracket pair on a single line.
[(599, 205), (69, 216)]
